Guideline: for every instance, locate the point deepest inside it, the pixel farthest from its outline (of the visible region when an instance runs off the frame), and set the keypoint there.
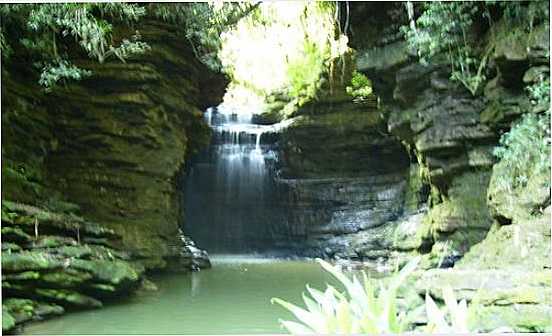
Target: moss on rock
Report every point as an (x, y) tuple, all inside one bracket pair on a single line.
[(29, 261), (8, 322)]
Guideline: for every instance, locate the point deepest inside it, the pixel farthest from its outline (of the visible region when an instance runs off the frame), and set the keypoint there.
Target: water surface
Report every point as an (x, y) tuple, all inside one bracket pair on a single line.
[(231, 298)]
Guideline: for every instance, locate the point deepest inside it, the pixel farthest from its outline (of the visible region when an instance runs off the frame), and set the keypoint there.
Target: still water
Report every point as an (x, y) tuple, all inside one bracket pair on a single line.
[(231, 298)]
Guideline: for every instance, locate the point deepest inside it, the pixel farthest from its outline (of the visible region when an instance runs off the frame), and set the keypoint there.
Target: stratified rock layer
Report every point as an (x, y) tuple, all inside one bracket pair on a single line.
[(113, 143), (108, 150)]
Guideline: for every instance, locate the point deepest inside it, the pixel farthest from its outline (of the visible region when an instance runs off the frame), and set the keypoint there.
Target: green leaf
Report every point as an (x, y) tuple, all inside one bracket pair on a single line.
[(296, 328), (312, 320)]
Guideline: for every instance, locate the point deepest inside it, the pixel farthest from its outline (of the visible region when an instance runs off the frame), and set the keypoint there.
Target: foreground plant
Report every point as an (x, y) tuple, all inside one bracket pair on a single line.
[(452, 317), (360, 309)]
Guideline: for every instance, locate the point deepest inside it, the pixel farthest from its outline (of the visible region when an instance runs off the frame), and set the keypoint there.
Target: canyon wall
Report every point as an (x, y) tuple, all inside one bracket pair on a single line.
[(90, 194)]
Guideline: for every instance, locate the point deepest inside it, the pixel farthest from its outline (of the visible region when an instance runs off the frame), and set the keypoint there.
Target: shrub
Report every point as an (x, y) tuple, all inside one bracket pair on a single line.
[(453, 318), (444, 27), (524, 151), (47, 32), (358, 310), (361, 87)]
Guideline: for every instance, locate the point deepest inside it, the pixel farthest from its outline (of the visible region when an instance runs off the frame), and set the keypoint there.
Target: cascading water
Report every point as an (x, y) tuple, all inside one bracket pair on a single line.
[(230, 199)]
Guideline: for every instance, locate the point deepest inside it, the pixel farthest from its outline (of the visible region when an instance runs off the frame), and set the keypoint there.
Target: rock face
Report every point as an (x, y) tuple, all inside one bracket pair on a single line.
[(52, 262), (450, 132), (105, 150), (343, 177), (113, 143), (498, 243)]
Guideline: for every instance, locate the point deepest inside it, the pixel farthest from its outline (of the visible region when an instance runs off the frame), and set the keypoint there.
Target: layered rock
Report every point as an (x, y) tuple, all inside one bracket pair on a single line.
[(52, 262), (113, 143), (343, 179), (498, 242), (107, 150)]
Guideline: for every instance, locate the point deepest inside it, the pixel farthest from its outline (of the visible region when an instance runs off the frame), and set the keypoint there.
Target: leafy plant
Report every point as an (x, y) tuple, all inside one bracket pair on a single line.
[(51, 28), (360, 309), (444, 27), (539, 93), (304, 73), (360, 88), (203, 22), (52, 73), (452, 319), (525, 149)]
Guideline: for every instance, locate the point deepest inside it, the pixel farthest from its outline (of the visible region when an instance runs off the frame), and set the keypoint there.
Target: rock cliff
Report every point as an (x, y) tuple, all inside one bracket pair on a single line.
[(107, 150)]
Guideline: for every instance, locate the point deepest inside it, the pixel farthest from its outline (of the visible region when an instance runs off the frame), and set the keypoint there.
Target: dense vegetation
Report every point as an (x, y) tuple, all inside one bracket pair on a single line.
[(295, 54), (284, 48), (450, 28), (53, 36)]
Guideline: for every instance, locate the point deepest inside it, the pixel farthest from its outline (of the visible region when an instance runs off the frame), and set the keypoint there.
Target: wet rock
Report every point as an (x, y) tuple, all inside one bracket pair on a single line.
[(29, 261), (118, 273), (22, 310), (10, 247), (53, 241), (16, 235), (8, 322), (66, 278), (406, 236), (67, 298)]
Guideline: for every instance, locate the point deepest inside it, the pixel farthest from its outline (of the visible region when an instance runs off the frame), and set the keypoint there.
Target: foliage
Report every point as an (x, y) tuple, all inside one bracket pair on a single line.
[(452, 319), (52, 73), (359, 310), (539, 93), (444, 27), (361, 87), (51, 28), (203, 23), (304, 72), (284, 47), (524, 151), (452, 28)]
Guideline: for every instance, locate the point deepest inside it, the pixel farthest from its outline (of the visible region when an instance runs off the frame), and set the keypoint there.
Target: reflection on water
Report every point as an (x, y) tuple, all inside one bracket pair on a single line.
[(231, 298)]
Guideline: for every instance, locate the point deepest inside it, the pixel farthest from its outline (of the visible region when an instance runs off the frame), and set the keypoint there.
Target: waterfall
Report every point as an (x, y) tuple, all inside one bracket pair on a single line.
[(230, 194)]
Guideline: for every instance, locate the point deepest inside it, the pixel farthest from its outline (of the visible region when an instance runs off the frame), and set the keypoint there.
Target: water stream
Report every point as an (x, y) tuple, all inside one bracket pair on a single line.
[(230, 200), (231, 298), (231, 208)]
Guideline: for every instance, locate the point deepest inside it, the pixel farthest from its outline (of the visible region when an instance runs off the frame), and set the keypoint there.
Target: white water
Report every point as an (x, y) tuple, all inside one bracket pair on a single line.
[(229, 196)]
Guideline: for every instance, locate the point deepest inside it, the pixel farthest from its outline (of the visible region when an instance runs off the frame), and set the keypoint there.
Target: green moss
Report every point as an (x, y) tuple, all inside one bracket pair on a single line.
[(118, 273), (522, 245), (79, 251), (16, 235), (462, 218), (66, 279), (21, 181), (521, 317), (8, 322), (29, 261), (523, 294), (68, 298), (413, 194), (29, 275), (10, 247), (53, 241)]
